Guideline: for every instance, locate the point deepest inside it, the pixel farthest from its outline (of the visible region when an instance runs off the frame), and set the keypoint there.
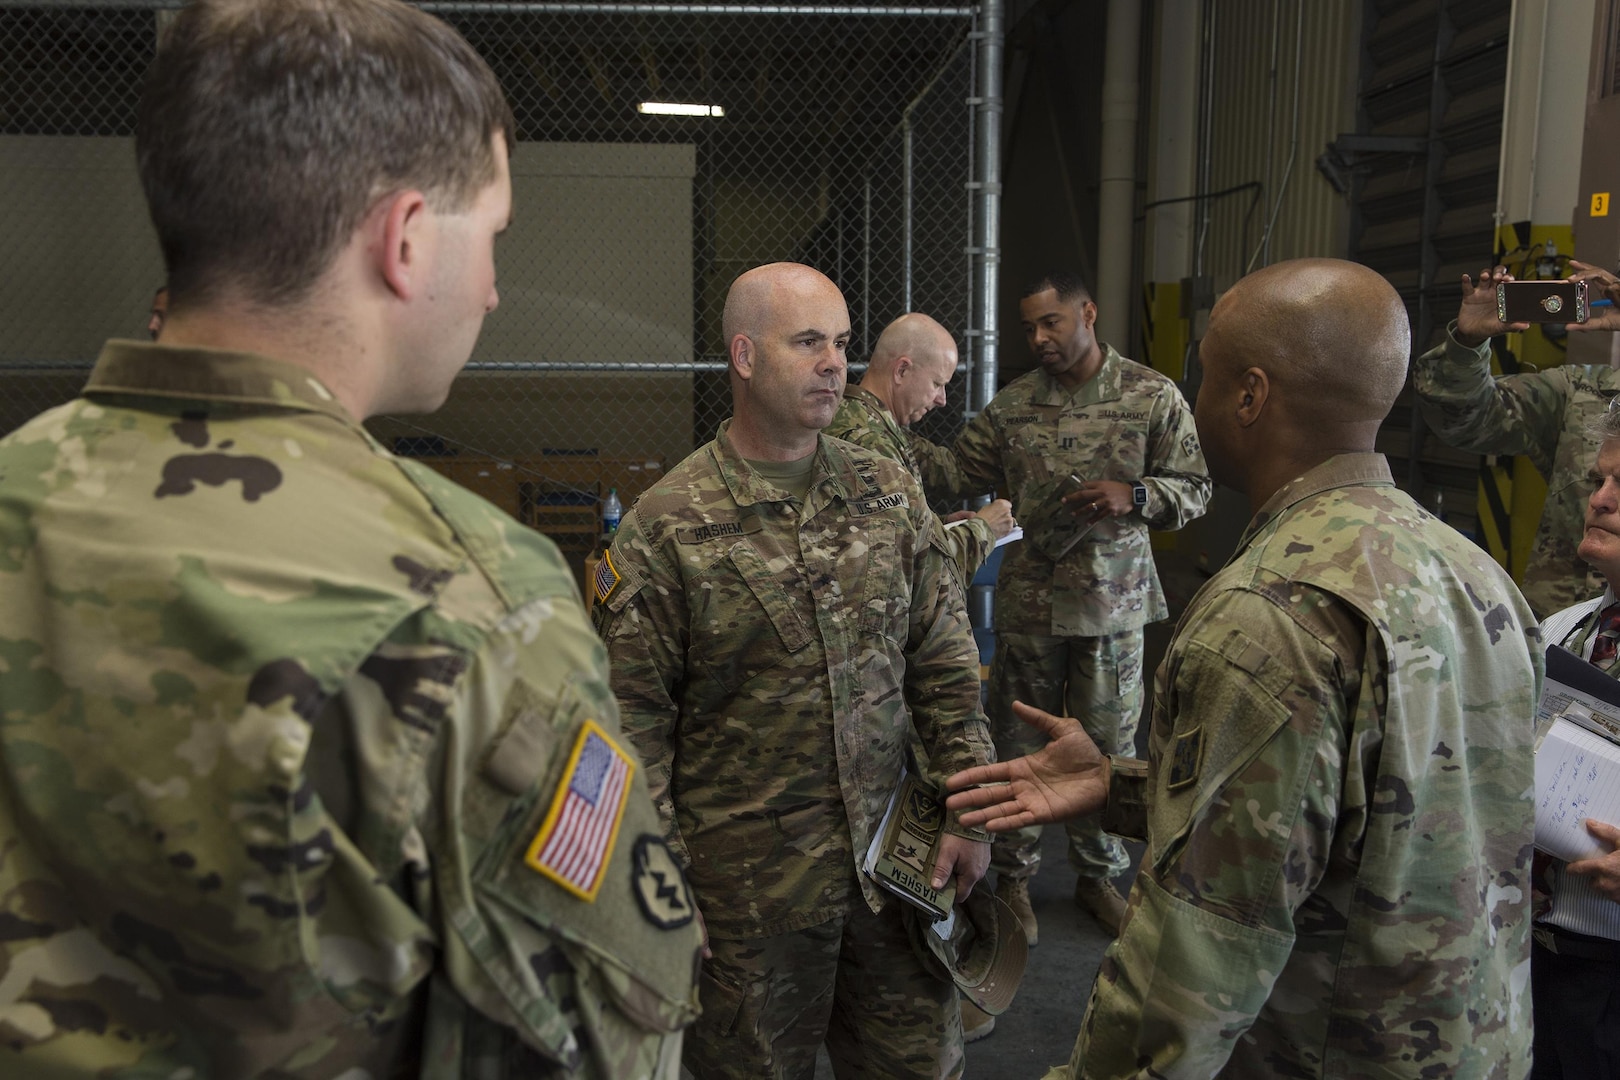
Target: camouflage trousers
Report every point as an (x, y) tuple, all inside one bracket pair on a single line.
[(853, 983), (1097, 680)]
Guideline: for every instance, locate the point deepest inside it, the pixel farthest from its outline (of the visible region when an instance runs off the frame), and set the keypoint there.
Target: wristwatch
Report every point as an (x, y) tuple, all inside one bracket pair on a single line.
[(1138, 494)]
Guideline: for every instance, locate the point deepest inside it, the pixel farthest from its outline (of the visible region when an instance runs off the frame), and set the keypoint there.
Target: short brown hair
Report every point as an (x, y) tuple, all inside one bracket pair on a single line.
[(268, 128)]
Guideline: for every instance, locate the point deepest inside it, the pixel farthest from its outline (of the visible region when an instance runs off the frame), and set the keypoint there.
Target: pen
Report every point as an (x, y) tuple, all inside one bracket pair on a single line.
[(1601, 303)]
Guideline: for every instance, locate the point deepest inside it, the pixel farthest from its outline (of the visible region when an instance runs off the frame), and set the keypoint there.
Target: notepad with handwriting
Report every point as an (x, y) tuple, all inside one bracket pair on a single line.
[(1577, 777)]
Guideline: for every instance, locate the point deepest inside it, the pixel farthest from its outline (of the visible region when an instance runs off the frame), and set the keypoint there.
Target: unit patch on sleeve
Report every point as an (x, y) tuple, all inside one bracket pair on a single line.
[(660, 887), (576, 839), (1186, 757), (607, 578)]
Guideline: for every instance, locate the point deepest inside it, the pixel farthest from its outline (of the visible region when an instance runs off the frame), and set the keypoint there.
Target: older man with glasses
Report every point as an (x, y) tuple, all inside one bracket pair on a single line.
[(1575, 961)]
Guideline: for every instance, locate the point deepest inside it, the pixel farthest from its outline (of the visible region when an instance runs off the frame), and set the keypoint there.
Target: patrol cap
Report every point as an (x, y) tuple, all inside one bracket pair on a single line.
[(985, 953)]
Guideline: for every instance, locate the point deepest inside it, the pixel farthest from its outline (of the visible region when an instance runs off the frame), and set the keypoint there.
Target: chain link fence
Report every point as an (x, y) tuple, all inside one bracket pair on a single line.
[(835, 135)]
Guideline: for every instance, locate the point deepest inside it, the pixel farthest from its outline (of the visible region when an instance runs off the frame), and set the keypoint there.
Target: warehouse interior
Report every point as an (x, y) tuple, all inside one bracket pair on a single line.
[(926, 157)]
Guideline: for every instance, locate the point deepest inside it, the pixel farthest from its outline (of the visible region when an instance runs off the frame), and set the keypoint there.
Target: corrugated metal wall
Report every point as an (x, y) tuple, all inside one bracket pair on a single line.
[(1315, 46), (1434, 71)]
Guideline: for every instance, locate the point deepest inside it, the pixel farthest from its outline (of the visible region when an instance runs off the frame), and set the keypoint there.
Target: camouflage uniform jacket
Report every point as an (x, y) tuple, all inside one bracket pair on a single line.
[(282, 714), (1126, 423), (773, 659), (865, 421), (1338, 808), (1544, 415)]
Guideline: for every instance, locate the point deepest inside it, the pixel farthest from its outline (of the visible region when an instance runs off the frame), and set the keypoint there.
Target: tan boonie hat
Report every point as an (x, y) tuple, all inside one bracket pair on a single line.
[(985, 953)]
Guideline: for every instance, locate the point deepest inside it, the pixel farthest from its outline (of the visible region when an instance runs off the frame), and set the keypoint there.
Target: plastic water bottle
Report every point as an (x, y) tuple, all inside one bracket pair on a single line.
[(612, 511)]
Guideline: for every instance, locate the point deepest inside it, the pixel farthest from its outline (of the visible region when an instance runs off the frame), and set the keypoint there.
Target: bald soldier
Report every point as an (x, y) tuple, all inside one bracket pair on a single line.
[(1337, 798), (905, 380), (784, 620)]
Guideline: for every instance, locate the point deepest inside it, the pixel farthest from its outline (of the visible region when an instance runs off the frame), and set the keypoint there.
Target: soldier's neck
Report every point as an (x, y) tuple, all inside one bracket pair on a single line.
[(757, 443), (872, 387)]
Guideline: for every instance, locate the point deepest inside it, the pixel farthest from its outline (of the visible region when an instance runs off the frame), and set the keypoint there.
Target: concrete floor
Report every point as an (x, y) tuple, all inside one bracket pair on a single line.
[(1039, 1030)]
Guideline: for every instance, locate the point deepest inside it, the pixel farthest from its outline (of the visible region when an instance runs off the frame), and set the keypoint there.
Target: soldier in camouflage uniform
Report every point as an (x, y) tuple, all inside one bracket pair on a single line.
[(1069, 619), (1337, 801), (911, 364), (1546, 415), (309, 765), (784, 620)]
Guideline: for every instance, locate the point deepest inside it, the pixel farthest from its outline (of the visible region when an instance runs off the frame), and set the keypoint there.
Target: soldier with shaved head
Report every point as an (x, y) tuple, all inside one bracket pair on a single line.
[(1337, 801), (905, 379), (784, 621)]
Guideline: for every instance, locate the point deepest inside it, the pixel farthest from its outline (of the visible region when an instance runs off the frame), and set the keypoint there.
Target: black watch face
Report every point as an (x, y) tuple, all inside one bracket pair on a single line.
[(1139, 495)]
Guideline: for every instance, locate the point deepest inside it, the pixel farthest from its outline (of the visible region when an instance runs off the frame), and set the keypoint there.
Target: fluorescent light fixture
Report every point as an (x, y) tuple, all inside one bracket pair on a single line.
[(676, 108)]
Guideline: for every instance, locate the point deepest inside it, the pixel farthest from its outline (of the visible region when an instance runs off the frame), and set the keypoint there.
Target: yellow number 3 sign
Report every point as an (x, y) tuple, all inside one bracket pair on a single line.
[(1600, 204)]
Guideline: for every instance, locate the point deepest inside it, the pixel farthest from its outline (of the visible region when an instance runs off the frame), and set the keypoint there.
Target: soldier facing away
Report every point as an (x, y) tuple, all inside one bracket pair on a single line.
[(1338, 799), (785, 620), (309, 765)]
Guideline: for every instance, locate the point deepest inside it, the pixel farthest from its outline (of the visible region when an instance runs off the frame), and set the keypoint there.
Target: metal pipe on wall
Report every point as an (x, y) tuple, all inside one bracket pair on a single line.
[(1206, 138), (986, 187), (906, 178), (1263, 251), (905, 212), (866, 267), (1116, 196)]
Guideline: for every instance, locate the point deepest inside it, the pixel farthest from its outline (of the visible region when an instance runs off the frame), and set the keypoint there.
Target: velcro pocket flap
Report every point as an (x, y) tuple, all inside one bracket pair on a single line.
[(579, 856), (1226, 705)]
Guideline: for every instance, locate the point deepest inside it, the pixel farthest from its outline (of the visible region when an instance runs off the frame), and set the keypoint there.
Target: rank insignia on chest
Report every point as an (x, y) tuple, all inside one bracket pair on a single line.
[(606, 578), (575, 842), (1185, 758)]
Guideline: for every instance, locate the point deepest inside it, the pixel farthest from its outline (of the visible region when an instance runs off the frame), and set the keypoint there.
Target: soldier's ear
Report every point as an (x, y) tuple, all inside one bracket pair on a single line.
[(742, 355), (394, 234), (901, 366), (1255, 388)]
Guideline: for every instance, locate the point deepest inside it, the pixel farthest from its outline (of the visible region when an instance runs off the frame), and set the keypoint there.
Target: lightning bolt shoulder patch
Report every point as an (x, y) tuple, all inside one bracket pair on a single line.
[(660, 886)]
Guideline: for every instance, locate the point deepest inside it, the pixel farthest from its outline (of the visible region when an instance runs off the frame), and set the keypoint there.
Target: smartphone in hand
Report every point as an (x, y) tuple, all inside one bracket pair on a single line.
[(1542, 302)]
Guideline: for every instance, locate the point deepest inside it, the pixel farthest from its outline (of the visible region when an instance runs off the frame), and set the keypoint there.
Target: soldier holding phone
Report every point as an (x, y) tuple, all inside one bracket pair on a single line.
[(1545, 415)]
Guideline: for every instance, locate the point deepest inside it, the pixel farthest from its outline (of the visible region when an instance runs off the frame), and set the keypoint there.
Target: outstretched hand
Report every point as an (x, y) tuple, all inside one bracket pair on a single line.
[(1068, 777)]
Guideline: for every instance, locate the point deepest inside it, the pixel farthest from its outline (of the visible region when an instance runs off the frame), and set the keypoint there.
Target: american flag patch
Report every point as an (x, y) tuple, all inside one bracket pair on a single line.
[(606, 577), (575, 842)]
